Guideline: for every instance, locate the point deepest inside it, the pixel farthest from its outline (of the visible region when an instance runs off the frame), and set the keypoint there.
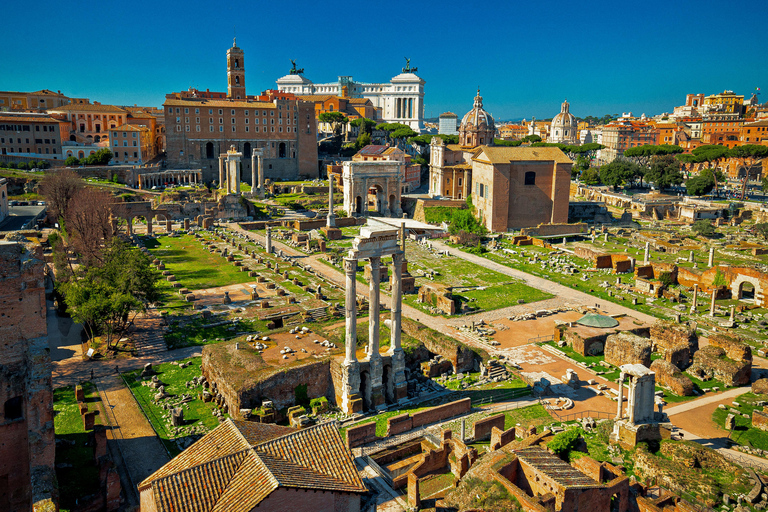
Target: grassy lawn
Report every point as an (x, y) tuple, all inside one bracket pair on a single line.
[(78, 476), (193, 266), (197, 332), (744, 434), (526, 416), (610, 373), (198, 417), (501, 296), (436, 486)]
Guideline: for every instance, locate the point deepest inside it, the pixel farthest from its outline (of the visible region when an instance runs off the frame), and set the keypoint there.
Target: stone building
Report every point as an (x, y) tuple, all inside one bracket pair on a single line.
[(131, 144), (38, 100), (510, 187), (377, 179), (244, 466), (564, 127), (401, 100), (27, 445), (200, 128), (30, 135)]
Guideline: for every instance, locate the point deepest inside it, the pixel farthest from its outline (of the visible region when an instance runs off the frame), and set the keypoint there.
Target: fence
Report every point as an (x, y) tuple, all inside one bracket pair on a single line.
[(600, 415), (542, 338)]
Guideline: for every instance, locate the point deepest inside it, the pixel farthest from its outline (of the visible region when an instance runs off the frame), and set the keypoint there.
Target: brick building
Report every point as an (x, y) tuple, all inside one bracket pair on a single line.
[(90, 122), (131, 144), (623, 134), (31, 135), (27, 445), (353, 108), (200, 127), (243, 466)]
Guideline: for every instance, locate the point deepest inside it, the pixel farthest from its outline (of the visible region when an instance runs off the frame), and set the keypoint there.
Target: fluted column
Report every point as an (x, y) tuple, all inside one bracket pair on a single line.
[(222, 176), (260, 163), (397, 299), (350, 306), (254, 175), (373, 300)]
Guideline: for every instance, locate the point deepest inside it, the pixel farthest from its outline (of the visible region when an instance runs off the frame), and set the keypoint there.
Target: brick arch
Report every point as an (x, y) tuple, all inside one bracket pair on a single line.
[(738, 284)]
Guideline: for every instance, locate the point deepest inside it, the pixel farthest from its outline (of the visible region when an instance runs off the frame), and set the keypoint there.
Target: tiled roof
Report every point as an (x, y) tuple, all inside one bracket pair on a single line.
[(239, 464), (174, 102), (130, 128), (28, 119), (554, 467), (86, 107), (393, 151), (372, 149), (317, 97), (505, 154)]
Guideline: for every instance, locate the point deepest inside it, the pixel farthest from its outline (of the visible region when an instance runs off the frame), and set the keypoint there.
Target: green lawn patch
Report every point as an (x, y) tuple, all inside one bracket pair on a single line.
[(197, 414), (197, 332), (744, 434), (76, 472)]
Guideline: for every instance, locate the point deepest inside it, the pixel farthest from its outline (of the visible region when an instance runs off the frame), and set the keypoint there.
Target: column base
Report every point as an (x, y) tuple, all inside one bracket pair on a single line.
[(351, 401), (331, 233), (401, 391), (378, 401)]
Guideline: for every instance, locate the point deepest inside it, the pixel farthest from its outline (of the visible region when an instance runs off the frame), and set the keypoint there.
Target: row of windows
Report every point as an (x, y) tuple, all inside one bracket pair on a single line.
[(48, 151), (46, 128), (133, 134), (125, 143), (15, 127), (247, 129), (234, 121), (232, 111), (19, 141)]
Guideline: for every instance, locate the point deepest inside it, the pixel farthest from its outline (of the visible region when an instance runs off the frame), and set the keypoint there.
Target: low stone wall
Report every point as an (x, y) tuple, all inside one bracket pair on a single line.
[(712, 362), (405, 422), (361, 434), (760, 419), (501, 438), (555, 229), (483, 427)]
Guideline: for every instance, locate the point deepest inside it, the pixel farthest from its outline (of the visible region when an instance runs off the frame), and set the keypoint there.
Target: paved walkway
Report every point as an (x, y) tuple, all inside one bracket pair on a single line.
[(711, 399), (135, 448)]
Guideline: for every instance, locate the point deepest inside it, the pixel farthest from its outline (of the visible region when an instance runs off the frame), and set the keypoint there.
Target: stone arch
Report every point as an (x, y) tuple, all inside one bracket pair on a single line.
[(737, 286), (358, 204), (247, 150), (97, 138), (281, 150), (72, 138)]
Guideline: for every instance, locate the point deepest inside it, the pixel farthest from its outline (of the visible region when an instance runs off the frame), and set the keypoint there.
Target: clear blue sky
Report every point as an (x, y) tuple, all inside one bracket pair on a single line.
[(606, 58)]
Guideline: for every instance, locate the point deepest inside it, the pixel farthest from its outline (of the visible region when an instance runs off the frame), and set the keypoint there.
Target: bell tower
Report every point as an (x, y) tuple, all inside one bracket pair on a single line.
[(235, 73)]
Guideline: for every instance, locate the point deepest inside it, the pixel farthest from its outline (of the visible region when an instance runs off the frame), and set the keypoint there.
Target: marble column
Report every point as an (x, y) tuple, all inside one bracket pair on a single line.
[(350, 306), (331, 220), (397, 300), (733, 312), (149, 225), (222, 176), (260, 164), (711, 261), (712, 304), (621, 396), (695, 298), (373, 300), (647, 255), (632, 388), (268, 245), (254, 177)]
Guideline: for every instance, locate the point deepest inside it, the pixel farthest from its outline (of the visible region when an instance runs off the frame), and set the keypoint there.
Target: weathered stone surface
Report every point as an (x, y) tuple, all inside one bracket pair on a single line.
[(733, 346), (760, 419), (626, 348), (669, 376), (760, 387), (711, 362)]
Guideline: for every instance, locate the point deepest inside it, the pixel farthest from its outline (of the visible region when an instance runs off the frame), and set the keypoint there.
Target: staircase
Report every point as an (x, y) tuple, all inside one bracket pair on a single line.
[(318, 314), (147, 335)]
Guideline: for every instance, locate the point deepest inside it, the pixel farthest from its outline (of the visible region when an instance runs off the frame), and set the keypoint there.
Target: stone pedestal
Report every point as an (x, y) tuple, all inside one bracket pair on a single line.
[(400, 391), (331, 233), (351, 401), (627, 435), (378, 400)]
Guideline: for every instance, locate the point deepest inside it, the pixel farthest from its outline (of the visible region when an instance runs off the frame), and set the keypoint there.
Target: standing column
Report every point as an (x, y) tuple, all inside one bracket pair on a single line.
[(268, 245), (350, 307), (260, 162), (373, 301), (711, 262), (695, 298), (631, 398), (647, 256), (254, 184), (331, 221), (397, 299), (221, 171), (712, 304), (621, 396)]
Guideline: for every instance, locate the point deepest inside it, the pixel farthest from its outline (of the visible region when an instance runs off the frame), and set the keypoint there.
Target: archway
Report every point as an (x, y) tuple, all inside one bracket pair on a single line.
[(746, 291), (209, 150), (281, 150), (358, 204), (392, 207), (72, 138), (388, 384), (378, 203), (247, 150), (97, 139)]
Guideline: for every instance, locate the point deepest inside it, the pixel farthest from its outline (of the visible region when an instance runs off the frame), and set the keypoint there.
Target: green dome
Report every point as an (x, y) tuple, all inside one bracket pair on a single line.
[(595, 320)]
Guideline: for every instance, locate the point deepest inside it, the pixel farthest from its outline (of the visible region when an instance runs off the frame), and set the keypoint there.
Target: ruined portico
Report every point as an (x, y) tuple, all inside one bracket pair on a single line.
[(188, 177), (640, 422), (365, 383), (229, 171)]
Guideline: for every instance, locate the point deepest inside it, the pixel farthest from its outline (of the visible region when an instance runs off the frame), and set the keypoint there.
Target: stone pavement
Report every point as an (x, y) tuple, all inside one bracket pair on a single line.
[(711, 399)]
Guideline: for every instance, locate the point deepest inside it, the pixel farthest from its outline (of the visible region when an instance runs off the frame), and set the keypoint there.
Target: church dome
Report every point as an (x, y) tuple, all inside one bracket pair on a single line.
[(564, 118), (477, 126)]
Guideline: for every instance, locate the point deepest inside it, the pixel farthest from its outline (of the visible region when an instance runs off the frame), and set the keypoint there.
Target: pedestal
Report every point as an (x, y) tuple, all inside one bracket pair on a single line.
[(351, 401), (398, 372), (378, 399), (331, 233)]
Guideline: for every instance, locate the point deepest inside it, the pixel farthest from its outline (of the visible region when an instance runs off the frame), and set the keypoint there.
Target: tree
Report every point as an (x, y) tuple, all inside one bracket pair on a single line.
[(363, 124), (750, 155), (71, 160), (699, 186), (761, 229), (58, 188), (103, 297), (89, 225), (711, 154), (664, 172), (531, 138), (502, 142), (362, 140), (587, 151), (764, 184), (335, 119), (619, 173), (703, 227), (590, 176), (643, 155), (100, 157), (426, 140)]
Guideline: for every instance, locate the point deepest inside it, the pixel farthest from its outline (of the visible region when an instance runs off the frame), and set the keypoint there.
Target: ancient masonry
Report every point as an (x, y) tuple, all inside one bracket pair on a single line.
[(375, 380), (27, 445)]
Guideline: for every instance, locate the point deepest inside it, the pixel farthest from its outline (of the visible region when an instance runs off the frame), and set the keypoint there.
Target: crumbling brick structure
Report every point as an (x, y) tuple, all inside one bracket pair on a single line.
[(760, 419), (669, 376), (27, 476), (712, 362), (627, 348), (676, 342), (439, 296)]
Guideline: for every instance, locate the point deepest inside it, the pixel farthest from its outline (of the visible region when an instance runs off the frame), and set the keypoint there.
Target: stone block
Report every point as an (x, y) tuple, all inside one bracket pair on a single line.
[(760, 387), (711, 362), (89, 420), (627, 348), (79, 394), (669, 376), (760, 419)]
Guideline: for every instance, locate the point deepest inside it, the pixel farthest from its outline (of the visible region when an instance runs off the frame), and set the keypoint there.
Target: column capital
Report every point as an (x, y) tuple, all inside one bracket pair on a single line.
[(350, 265), (375, 262), (397, 257)]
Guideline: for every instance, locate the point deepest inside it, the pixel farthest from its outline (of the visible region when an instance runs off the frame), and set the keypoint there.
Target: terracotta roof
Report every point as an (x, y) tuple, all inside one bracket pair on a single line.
[(129, 128), (393, 151), (359, 100), (205, 102), (372, 149), (317, 97), (554, 467), (86, 107), (239, 464), (28, 119), (505, 154)]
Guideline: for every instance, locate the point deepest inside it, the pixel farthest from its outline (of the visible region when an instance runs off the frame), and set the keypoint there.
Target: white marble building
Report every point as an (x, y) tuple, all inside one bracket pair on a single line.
[(564, 126), (401, 100)]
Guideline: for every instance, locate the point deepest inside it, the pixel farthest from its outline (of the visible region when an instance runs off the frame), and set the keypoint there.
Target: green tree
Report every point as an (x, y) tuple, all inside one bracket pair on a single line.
[(335, 119), (703, 227), (71, 160), (643, 155), (531, 138), (508, 143), (619, 173), (106, 298), (711, 154), (699, 186), (364, 125), (362, 140), (100, 157), (591, 176), (750, 155), (565, 441), (664, 172), (764, 184)]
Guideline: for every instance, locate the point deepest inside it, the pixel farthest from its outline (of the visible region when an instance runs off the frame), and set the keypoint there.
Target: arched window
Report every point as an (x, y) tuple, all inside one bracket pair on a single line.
[(209, 150), (237, 80), (97, 139), (237, 63), (72, 137), (281, 150), (530, 178)]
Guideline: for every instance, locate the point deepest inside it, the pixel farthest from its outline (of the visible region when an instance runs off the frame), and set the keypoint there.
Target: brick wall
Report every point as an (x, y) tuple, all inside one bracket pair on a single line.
[(405, 422), (483, 427), (399, 424), (361, 434), (301, 500), (501, 438)]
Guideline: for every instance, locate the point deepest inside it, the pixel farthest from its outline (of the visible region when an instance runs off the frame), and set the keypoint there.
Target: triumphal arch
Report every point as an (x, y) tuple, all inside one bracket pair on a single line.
[(384, 178)]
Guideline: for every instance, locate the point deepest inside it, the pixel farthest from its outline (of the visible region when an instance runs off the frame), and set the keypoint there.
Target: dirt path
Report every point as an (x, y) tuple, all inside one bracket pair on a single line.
[(135, 448)]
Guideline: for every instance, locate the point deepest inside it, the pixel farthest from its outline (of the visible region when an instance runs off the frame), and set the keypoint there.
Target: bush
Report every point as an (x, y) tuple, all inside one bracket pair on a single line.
[(565, 441), (703, 227), (71, 160)]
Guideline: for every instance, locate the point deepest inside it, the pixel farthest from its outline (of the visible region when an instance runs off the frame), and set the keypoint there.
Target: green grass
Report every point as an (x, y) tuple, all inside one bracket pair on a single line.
[(609, 373), (526, 416), (744, 434), (196, 412), (501, 296), (195, 267), (78, 476), (197, 332)]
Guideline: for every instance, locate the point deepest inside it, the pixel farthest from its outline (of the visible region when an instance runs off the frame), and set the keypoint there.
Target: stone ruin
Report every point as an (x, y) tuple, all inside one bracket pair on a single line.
[(439, 296), (677, 342), (670, 376), (640, 421), (726, 359), (627, 348)]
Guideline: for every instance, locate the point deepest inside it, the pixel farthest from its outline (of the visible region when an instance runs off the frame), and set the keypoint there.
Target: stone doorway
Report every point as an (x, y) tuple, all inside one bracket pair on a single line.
[(365, 389)]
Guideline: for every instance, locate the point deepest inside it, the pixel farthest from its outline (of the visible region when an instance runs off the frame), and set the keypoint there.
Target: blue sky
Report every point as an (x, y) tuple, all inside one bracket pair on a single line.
[(605, 57)]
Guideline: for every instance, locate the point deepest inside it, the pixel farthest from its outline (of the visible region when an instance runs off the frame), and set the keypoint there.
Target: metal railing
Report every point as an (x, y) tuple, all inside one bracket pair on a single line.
[(600, 415), (542, 338)]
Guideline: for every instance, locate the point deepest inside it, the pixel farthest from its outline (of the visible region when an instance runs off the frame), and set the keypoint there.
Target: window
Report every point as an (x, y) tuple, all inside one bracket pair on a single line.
[(210, 128), (14, 408), (234, 128), (186, 111), (530, 178), (233, 120), (221, 111), (221, 128), (221, 120), (210, 111)]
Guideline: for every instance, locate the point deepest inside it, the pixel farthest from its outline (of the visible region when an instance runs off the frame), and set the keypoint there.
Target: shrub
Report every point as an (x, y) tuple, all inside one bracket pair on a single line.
[(565, 441), (703, 227)]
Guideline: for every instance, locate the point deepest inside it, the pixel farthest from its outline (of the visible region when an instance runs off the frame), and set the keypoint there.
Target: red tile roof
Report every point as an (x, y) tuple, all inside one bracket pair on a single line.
[(239, 464)]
